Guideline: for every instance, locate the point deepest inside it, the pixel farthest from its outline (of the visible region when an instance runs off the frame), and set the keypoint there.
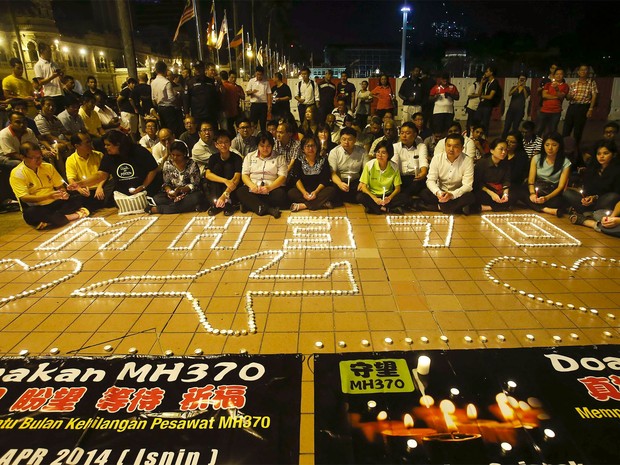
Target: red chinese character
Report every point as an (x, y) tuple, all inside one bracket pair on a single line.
[(229, 396), (601, 388), (32, 399), (64, 399), (146, 399), (197, 398), (114, 399)]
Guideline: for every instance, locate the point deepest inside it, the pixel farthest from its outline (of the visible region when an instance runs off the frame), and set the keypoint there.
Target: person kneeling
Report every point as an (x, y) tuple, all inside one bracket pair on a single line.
[(181, 188), (41, 193), (380, 183)]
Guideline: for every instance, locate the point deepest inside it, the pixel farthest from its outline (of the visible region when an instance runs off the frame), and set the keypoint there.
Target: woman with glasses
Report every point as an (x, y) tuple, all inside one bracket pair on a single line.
[(312, 175)]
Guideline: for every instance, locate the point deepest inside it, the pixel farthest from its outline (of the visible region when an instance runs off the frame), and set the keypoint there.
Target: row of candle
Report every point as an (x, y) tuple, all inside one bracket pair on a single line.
[(493, 219), (412, 221), (211, 231), (572, 269)]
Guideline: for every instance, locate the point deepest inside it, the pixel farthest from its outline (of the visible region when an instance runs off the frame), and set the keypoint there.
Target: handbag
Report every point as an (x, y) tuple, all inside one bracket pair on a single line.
[(130, 204), (544, 188)]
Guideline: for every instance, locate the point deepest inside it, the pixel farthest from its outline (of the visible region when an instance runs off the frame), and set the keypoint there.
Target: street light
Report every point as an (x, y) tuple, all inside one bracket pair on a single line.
[(404, 10)]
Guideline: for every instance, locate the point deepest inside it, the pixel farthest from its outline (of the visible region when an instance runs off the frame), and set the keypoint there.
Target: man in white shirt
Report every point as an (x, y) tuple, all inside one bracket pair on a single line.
[(49, 74), (450, 179), (469, 147), (160, 150), (306, 94), (11, 137), (260, 98), (346, 162), (164, 99), (150, 139), (412, 160)]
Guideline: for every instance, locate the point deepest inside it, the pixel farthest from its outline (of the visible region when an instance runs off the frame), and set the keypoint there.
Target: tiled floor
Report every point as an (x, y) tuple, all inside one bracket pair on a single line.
[(405, 290)]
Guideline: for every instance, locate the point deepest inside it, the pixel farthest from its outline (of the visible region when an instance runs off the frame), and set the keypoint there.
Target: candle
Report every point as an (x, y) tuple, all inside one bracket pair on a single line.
[(348, 181), (383, 198), (536, 189), (424, 365), (455, 448), (402, 439), (581, 192)]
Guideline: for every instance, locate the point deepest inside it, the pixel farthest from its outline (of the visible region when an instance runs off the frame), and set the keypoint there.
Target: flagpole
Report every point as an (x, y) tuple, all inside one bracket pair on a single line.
[(228, 40), (197, 16), (216, 52), (243, 53)]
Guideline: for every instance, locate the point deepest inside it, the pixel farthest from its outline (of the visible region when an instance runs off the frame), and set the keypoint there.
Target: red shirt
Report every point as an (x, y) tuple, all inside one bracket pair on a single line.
[(554, 105)]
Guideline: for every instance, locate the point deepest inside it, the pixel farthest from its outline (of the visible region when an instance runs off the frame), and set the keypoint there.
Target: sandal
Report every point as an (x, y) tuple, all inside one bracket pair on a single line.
[(294, 207), (577, 218)]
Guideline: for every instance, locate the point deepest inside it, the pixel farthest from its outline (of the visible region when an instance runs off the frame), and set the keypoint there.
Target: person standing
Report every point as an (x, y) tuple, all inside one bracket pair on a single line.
[(385, 97), (260, 98), (443, 94), (281, 97), (49, 74), (553, 95), (346, 90), (519, 94), (202, 97), (490, 95), (127, 104), (412, 94), (164, 98), (142, 91), (582, 97), (306, 94), (473, 99), (327, 94)]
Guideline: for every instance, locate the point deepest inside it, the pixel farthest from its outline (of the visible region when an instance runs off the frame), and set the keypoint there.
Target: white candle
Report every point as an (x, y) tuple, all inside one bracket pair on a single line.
[(383, 198), (349, 181), (424, 365), (536, 189)]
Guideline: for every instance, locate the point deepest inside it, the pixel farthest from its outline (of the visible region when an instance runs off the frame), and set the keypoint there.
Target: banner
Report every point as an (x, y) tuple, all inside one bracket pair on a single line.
[(145, 410), (494, 406)]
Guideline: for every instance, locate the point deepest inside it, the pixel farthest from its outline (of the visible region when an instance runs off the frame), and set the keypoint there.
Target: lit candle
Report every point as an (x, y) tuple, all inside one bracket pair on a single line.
[(536, 189), (581, 192), (424, 365)]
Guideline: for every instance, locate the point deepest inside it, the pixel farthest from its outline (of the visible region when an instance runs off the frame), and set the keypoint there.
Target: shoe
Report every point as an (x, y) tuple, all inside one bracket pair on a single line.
[(243, 209), (397, 210), (294, 207), (467, 210), (262, 211), (212, 211), (275, 212), (560, 212), (577, 218), (41, 225), (229, 210), (328, 205)]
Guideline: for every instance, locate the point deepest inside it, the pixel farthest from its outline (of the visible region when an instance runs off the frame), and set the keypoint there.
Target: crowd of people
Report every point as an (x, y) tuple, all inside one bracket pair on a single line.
[(184, 143)]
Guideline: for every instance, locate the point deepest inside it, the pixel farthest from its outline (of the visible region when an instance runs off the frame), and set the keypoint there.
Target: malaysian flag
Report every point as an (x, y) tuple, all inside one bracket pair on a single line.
[(188, 13)]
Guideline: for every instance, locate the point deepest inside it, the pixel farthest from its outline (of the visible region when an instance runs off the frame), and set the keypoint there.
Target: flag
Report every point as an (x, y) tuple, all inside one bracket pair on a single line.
[(211, 34), (259, 55), (238, 40), (223, 32), (188, 13)]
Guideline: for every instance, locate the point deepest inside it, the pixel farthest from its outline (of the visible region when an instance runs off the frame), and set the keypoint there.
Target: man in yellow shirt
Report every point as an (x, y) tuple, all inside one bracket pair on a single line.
[(15, 86), (84, 163), (90, 117), (41, 193)]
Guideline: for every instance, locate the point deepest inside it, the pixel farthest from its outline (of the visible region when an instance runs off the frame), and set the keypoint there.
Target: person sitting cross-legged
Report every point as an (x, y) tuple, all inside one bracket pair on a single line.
[(41, 192), (312, 176), (380, 183), (223, 173), (181, 189), (450, 180)]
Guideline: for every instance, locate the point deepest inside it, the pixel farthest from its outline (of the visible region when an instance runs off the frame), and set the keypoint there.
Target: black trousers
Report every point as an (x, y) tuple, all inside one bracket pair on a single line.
[(251, 201), (189, 203), (399, 200), (326, 194), (606, 201), (171, 118), (575, 120), (258, 114), (452, 206), (53, 213), (482, 198)]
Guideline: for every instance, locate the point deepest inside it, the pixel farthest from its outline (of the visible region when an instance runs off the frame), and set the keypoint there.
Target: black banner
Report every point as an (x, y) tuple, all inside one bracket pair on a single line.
[(150, 410), (494, 406)]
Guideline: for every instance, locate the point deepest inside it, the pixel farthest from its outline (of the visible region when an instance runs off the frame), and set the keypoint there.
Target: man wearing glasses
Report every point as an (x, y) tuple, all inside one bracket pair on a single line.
[(245, 142), (205, 147), (40, 190)]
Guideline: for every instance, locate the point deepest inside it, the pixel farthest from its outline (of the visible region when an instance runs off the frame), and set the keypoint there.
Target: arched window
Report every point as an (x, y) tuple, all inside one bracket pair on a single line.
[(33, 56), (3, 57)]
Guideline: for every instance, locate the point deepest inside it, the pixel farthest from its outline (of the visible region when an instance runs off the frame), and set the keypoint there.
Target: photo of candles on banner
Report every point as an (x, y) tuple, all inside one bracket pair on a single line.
[(511, 406)]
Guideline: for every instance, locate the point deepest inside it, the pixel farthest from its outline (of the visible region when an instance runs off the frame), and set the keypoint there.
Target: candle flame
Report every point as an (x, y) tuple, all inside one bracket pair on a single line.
[(408, 421), (382, 416), (524, 406), (450, 425), (507, 412), (472, 413), (446, 406), (514, 403), (427, 401)]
